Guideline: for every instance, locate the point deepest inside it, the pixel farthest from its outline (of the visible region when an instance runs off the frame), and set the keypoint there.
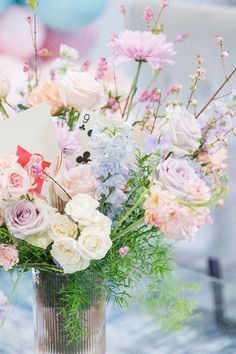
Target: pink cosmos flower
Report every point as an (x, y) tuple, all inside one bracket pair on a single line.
[(8, 256), (142, 47), (181, 37)]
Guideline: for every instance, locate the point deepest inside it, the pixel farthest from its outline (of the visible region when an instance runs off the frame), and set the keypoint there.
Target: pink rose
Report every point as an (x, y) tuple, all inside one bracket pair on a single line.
[(18, 181), (81, 91), (77, 180), (8, 256)]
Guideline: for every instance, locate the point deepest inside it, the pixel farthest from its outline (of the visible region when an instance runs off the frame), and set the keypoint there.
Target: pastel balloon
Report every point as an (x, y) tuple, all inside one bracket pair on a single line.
[(69, 15), (4, 4), (15, 37), (82, 40)]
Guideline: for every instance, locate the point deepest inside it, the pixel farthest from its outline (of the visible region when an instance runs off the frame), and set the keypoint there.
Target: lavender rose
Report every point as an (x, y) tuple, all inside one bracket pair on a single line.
[(183, 129), (177, 176), (25, 218)]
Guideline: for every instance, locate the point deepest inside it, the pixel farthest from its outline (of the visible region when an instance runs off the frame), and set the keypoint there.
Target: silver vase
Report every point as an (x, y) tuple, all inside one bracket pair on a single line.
[(49, 326)]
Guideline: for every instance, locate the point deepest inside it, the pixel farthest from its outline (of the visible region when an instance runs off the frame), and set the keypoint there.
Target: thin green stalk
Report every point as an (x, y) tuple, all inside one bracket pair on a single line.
[(203, 204), (131, 210), (134, 88), (130, 228), (3, 109)]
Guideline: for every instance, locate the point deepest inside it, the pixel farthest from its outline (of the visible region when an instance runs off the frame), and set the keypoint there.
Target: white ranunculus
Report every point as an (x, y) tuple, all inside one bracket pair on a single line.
[(177, 176), (61, 225), (81, 91), (101, 221), (65, 250), (81, 209), (94, 243), (183, 130), (5, 86)]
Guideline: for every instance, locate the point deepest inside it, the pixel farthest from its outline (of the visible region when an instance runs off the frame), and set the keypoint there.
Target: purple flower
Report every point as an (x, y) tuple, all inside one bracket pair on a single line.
[(68, 140), (25, 218)]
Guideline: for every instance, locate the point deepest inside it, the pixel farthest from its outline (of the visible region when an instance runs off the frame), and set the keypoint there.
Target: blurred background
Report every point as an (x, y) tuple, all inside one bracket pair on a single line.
[(87, 26)]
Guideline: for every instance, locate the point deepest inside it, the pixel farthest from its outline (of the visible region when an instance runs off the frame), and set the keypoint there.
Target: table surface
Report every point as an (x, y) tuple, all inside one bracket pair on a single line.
[(134, 332)]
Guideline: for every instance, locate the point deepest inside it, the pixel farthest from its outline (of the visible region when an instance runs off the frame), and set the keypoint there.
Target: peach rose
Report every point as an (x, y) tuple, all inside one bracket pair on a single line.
[(77, 180), (8, 256), (48, 92)]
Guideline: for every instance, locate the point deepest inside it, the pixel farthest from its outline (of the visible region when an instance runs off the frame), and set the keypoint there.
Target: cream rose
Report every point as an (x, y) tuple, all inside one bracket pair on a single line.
[(101, 221), (41, 240), (66, 252), (78, 179), (81, 91), (5, 86), (81, 209), (62, 226), (94, 243), (183, 129)]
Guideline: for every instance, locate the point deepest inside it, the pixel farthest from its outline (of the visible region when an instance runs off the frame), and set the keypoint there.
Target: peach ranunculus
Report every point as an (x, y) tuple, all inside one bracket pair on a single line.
[(9, 256), (47, 92), (81, 91), (77, 180)]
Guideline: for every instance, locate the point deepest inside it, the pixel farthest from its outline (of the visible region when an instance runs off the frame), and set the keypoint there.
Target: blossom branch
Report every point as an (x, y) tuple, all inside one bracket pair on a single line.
[(216, 93)]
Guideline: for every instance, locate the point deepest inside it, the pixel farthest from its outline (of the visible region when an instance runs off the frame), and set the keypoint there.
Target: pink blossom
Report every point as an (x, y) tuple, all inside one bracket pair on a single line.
[(9, 256), (7, 161), (144, 96), (181, 37), (174, 88), (44, 52), (165, 3), (148, 14), (26, 67), (122, 9), (86, 65), (124, 250), (155, 95), (101, 69), (142, 47), (176, 221), (68, 140), (18, 181), (53, 74), (112, 103), (78, 179)]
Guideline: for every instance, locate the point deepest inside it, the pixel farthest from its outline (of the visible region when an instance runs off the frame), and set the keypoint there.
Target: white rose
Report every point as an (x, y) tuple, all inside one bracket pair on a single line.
[(183, 129), (66, 252), (41, 240), (101, 221), (5, 86), (81, 91), (62, 226), (94, 243), (81, 209)]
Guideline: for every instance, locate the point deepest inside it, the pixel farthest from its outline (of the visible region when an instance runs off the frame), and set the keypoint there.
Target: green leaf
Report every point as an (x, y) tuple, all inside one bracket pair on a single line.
[(33, 4)]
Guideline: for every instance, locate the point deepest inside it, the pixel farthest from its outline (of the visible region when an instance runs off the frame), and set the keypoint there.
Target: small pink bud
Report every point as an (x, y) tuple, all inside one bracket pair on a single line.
[(52, 74), (86, 65), (26, 67), (174, 88), (148, 14), (144, 96), (43, 52), (123, 251), (29, 19), (181, 37), (165, 3), (220, 202), (122, 9)]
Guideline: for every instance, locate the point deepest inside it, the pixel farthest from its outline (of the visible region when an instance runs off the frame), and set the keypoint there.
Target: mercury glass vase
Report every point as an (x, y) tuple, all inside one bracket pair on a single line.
[(51, 337)]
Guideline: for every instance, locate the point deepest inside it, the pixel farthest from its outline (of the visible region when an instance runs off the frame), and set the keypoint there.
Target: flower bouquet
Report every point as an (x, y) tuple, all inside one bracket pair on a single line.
[(136, 169)]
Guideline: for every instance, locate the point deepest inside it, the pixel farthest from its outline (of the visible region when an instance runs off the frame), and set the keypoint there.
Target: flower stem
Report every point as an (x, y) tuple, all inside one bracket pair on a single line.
[(216, 93), (130, 211), (54, 181), (130, 228), (134, 87)]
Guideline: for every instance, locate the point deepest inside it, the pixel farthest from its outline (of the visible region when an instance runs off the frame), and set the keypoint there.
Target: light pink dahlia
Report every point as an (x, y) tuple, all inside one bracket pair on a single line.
[(142, 46)]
